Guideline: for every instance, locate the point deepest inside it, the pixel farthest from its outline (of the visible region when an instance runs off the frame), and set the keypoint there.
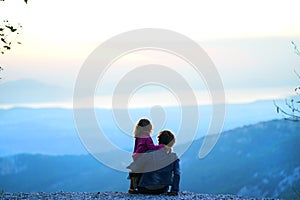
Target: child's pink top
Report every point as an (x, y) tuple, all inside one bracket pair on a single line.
[(143, 144)]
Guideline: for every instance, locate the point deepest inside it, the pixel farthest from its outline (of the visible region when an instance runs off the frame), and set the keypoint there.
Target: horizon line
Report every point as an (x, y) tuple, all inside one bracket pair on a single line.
[(69, 106)]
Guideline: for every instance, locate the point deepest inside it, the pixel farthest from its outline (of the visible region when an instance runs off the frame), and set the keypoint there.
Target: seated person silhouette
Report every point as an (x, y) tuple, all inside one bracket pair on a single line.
[(155, 171)]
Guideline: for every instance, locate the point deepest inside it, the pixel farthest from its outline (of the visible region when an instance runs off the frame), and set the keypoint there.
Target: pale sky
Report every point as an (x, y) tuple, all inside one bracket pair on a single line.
[(249, 41)]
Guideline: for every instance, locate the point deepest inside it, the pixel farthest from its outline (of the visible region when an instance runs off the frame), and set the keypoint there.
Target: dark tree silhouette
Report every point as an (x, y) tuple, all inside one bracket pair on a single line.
[(8, 33), (291, 111)]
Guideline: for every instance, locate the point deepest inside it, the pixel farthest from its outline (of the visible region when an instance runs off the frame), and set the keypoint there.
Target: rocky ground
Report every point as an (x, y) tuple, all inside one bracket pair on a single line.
[(114, 195)]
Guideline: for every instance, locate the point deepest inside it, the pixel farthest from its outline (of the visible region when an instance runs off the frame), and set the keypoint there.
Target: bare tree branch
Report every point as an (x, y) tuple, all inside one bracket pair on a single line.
[(296, 50), (286, 115), (1, 70), (292, 111), (291, 105)]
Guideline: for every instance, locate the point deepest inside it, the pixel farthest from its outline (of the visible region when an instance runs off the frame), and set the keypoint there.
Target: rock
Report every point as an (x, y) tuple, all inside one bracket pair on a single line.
[(118, 195)]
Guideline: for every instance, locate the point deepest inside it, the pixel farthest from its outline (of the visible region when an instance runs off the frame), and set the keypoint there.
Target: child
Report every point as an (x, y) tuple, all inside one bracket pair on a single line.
[(143, 141)]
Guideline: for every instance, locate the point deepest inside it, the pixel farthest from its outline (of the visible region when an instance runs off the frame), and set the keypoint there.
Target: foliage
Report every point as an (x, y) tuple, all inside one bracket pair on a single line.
[(292, 105), (7, 34), (24, 1)]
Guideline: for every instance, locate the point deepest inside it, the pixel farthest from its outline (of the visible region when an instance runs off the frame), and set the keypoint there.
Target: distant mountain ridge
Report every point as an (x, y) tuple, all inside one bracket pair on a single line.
[(52, 131), (31, 91), (260, 160)]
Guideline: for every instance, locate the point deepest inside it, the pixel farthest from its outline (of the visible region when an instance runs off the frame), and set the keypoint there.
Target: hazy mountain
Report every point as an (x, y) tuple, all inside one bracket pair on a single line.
[(31, 91), (52, 130), (257, 161), (45, 131)]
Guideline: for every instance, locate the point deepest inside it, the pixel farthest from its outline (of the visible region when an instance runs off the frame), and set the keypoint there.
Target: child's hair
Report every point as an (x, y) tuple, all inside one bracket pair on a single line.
[(142, 127), (166, 137)]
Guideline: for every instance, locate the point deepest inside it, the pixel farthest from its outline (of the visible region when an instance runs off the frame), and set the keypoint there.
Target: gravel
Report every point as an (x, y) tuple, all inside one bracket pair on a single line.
[(115, 195)]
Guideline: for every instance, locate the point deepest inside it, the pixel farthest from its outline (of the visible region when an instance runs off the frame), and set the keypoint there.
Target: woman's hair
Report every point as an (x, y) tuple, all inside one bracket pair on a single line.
[(166, 137), (142, 127)]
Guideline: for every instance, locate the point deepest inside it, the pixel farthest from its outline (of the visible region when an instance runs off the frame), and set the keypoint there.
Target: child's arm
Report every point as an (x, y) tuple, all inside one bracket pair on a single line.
[(151, 146)]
